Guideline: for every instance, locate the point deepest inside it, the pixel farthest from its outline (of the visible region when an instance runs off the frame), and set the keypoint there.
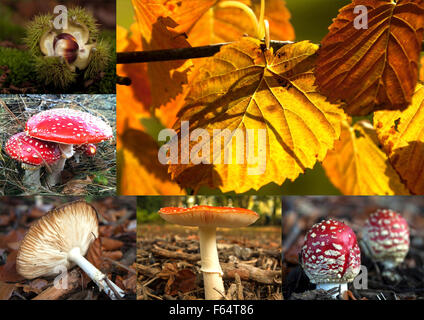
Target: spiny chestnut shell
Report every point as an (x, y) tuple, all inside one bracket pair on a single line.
[(66, 46), (387, 236), (331, 253)]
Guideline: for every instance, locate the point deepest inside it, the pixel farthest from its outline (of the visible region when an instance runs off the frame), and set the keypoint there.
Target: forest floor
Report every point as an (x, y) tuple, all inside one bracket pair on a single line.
[(406, 282), (168, 263), (114, 252)]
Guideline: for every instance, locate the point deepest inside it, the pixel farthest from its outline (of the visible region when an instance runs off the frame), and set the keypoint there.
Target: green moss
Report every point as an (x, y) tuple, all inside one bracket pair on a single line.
[(20, 65)]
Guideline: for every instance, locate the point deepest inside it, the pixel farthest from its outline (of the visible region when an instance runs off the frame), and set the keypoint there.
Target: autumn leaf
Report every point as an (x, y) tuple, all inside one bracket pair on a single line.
[(140, 170), (402, 136), (374, 68), (158, 31), (357, 166), (132, 102), (244, 87), (226, 23)]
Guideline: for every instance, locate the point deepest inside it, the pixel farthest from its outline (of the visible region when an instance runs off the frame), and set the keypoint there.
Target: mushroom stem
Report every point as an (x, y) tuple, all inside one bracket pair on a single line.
[(95, 274), (31, 178), (328, 286), (67, 150), (53, 178), (211, 269)]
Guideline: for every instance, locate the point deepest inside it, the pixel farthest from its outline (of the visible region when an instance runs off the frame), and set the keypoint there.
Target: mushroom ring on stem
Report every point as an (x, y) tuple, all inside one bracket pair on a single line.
[(58, 241), (208, 219), (33, 154), (67, 127), (386, 234), (330, 255)]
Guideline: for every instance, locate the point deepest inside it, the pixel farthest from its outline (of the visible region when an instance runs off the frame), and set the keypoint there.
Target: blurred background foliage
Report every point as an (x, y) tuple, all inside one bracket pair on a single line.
[(310, 20), (268, 207)]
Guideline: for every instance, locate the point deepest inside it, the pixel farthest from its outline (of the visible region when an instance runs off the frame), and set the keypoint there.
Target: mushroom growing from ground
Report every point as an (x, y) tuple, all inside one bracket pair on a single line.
[(59, 240), (33, 154), (88, 150), (208, 218), (386, 234), (67, 127), (330, 255)]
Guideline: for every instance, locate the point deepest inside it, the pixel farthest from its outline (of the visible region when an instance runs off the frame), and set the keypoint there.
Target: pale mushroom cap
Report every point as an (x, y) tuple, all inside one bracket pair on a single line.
[(207, 216), (48, 241)]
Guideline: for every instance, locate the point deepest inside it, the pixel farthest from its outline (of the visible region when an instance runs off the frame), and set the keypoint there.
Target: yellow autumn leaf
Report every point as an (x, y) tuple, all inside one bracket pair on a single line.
[(402, 135), (223, 23), (357, 166), (248, 88), (139, 168)]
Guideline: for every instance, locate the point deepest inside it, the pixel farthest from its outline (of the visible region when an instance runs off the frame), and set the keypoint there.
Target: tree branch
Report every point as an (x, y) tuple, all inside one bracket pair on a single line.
[(178, 54)]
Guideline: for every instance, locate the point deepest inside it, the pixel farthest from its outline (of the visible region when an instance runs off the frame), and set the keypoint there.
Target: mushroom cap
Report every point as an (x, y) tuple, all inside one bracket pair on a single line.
[(387, 235), (331, 253), (207, 216), (89, 150), (31, 150), (68, 126), (49, 239)]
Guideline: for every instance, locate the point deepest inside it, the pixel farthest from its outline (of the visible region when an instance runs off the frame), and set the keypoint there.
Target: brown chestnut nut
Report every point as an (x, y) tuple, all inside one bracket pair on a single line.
[(65, 45)]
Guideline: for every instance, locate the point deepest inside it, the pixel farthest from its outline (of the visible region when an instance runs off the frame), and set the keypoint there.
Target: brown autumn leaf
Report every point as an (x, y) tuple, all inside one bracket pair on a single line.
[(402, 136), (184, 281), (374, 68), (357, 166), (244, 87), (141, 172), (8, 271), (95, 253), (6, 290), (77, 186), (110, 244), (225, 23)]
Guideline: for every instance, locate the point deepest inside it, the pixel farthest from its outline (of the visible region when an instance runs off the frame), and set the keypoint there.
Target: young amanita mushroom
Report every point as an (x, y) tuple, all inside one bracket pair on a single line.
[(330, 255), (386, 234), (67, 127), (61, 238), (208, 218), (33, 154), (88, 150)]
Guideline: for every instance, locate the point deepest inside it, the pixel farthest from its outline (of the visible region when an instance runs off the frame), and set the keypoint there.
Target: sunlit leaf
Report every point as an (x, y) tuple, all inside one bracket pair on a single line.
[(357, 166), (375, 67), (402, 136), (246, 87)]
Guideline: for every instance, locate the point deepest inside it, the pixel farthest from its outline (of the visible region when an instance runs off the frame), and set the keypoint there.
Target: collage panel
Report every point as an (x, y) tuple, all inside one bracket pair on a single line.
[(67, 248), (353, 248), (58, 144), (209, 247), (59, 47)]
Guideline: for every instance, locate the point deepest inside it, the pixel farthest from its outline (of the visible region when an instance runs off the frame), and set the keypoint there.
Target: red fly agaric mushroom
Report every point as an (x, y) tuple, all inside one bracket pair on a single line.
[(386, 234), (67, 127), (88, 150), (33, 154), (60, 239), (330, 255), (208, 218)]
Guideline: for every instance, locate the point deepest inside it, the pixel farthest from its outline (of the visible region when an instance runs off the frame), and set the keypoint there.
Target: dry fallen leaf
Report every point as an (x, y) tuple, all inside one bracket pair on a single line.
[(402, 136), (6, 290), (243, 87), (357, 166), (377, 67), (77, 186)]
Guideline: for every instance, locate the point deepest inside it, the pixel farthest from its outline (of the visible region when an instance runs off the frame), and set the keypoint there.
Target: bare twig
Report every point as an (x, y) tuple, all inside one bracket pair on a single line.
[(178, 54)]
